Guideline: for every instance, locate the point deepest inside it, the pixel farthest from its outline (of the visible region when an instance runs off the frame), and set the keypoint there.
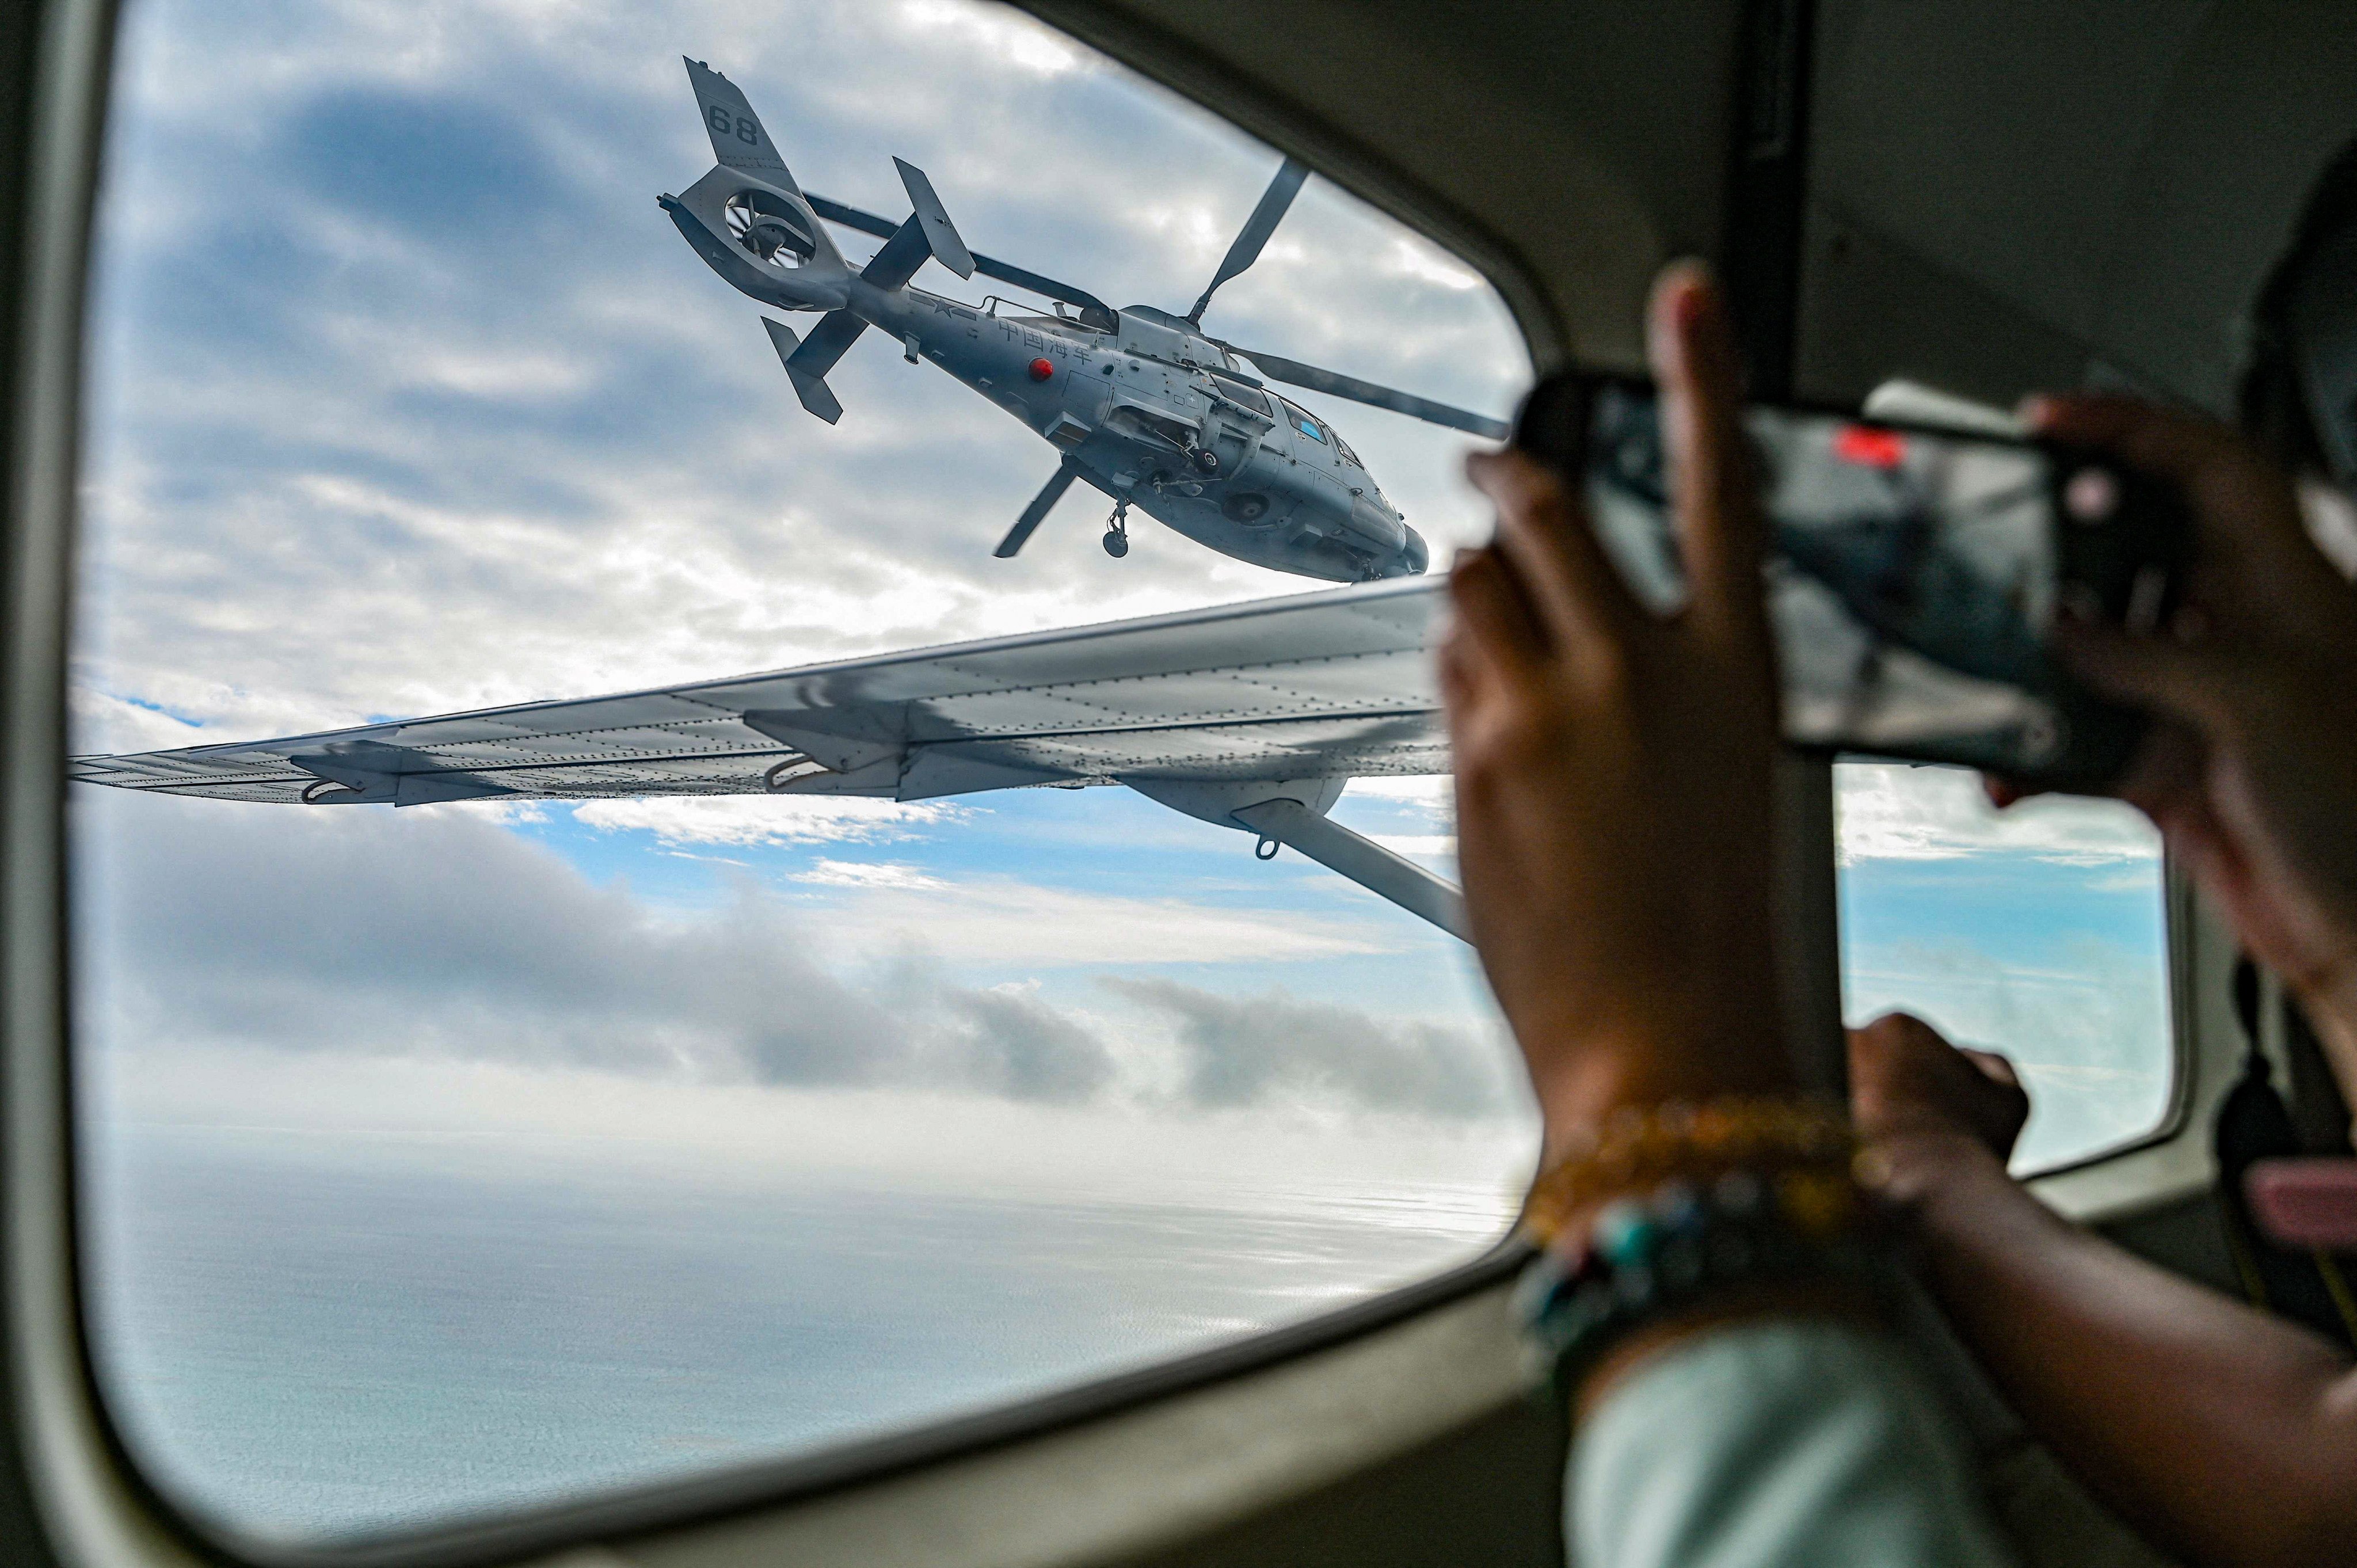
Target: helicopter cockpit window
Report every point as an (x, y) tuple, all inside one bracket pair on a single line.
[(1307, 425), (699, 1079), (1250, 397)]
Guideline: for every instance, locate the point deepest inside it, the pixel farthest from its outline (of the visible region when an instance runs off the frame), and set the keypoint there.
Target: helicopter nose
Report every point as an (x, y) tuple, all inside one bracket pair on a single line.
[(1414, 556)]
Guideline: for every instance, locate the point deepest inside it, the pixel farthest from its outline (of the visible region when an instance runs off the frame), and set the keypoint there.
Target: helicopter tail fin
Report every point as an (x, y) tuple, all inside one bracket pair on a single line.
[(738, 141), (807, 360)]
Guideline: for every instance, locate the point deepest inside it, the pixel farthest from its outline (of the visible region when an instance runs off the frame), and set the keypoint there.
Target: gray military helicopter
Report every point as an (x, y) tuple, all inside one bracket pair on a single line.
[(1140, 403)]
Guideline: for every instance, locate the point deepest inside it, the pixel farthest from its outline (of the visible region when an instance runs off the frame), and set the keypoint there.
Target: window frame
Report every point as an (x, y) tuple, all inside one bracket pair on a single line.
[(96, 1497), (2179, 914)]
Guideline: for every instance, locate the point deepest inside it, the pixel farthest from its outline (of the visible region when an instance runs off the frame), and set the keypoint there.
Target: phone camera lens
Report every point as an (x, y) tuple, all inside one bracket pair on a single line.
[(2092, 496)]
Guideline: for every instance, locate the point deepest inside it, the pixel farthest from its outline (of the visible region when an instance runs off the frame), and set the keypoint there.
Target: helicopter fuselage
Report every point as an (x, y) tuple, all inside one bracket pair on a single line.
[(1163, 419)]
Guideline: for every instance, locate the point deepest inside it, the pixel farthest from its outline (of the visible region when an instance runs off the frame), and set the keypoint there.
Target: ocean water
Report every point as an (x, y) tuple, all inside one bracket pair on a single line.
[(304, 1348)]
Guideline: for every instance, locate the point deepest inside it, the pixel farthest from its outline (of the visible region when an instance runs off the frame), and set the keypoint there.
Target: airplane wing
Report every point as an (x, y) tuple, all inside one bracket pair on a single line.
[(1324, 686), (1250, 716)]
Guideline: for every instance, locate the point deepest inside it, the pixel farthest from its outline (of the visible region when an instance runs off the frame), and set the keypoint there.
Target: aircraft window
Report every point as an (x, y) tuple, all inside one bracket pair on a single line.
[(648, 1094), (1304, 423), (2041, 932)]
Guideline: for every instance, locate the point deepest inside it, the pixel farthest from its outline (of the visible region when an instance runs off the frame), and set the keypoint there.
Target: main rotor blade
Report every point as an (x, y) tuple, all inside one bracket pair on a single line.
[(1256, 230), (1293, 372), (1095, 314), (1042, 505)]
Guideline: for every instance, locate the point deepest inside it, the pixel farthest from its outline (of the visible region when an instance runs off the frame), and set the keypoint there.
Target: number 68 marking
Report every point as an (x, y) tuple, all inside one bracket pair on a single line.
[(743, 128)]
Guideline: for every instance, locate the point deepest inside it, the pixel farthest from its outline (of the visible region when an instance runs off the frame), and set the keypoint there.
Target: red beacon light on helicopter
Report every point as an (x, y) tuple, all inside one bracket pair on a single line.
[(1041, 370)]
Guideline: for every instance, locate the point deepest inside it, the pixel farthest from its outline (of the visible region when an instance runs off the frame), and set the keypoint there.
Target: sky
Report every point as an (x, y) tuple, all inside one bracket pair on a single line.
[(407, 398), (404, 397)]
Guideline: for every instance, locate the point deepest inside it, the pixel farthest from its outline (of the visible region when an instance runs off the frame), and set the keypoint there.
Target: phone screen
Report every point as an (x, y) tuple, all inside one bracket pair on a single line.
[(1913, 577)]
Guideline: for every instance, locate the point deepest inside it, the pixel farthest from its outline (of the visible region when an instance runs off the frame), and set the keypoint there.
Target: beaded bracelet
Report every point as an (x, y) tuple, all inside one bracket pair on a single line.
[(1642, 1259), (1637, 1149)]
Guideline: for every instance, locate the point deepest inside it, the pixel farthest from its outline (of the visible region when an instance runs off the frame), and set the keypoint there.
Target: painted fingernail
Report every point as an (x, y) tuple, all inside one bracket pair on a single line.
[(1692, 300)]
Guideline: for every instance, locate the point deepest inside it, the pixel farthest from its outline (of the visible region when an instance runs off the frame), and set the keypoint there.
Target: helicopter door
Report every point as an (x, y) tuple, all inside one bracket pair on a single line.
[(1237, 418), (1228, 439)]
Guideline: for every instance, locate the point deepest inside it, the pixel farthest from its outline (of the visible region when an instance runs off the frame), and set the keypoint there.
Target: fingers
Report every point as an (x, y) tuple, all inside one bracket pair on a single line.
[(2206, 460), (1548, 549), (2003, 793), (2156, 673), (1896, 1031), (1995, 1066), (1496, 637), (2173, 445), (1723, 536)]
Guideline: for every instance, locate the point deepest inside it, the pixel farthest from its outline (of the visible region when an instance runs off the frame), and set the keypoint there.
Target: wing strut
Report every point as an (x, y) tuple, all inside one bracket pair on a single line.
[(1422, 893), (1293, 813)]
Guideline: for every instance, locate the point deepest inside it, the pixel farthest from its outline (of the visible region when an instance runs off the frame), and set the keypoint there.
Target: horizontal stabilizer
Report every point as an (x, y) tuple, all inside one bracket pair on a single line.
[(941, 234), (739, 142), (902, 255), (810, 385), (1095, 314)]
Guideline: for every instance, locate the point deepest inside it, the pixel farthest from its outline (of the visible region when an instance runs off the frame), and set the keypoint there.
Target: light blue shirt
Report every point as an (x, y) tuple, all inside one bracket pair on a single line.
[(1785, 1442)]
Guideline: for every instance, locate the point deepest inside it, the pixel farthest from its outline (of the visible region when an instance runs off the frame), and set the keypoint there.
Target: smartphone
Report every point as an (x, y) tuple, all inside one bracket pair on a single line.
[(1913, 572)]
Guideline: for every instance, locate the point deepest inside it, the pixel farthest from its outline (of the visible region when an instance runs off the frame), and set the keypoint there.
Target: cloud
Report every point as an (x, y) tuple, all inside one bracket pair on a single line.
[(1006, 34), (1019, 1047), (1250, 1050), (751, 819), (1433, 845), (861, 874), (1435, 792), (1005, 919), (437, 933), (1893, 811)]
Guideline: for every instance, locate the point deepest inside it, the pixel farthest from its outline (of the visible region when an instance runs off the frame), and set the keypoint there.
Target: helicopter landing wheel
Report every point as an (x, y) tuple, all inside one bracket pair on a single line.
[(1116, 544)]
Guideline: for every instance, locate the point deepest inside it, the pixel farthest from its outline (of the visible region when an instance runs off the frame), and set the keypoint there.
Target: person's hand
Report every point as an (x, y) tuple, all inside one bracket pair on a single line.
[(1614, 767), (2252, 776), (1906, 1080)]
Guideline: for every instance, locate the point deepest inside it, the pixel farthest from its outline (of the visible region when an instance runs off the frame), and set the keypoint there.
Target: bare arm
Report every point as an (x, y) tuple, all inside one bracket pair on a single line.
[(2227, 1435)]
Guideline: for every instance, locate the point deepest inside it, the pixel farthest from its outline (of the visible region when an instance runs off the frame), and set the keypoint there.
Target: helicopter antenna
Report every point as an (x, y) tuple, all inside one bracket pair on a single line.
[(1256, 230)]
